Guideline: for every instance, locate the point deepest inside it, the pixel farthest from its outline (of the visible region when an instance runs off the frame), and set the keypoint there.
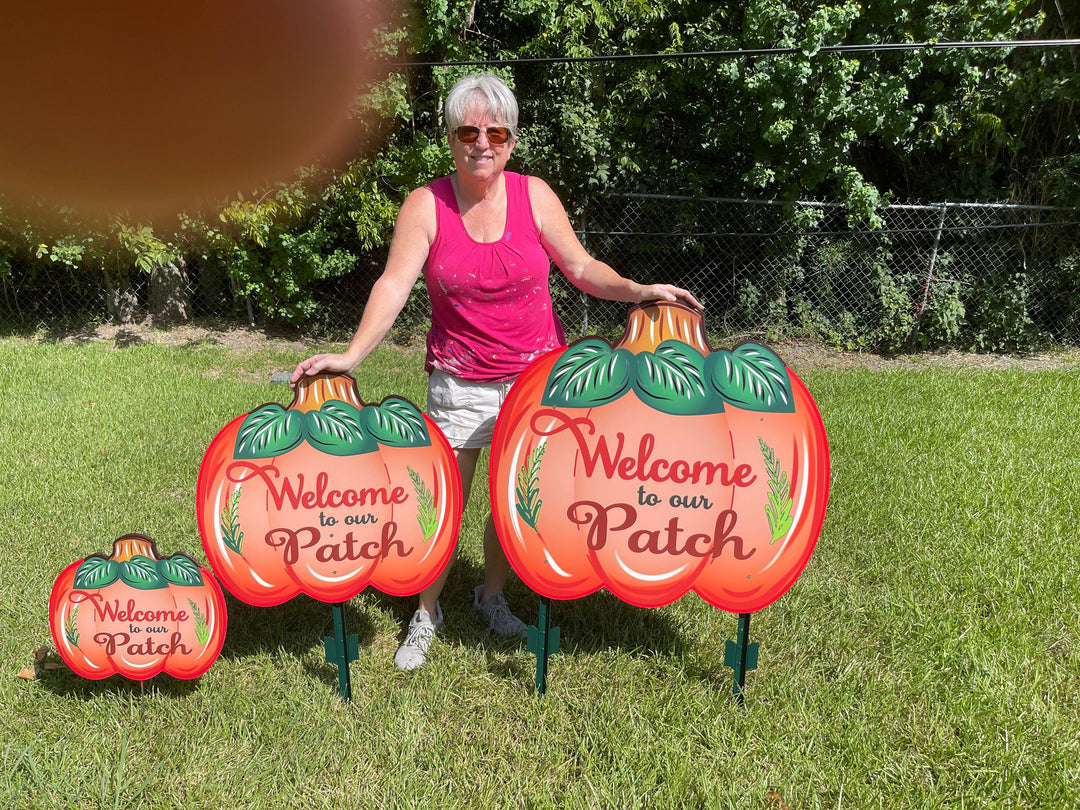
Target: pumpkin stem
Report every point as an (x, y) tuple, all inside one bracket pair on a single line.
[(131, 545), (312, 392), (651, 323)]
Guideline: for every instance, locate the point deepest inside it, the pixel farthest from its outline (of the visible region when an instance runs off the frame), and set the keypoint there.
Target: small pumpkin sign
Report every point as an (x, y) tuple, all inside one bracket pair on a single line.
[(658, 466), (328, 495), (137, 614)]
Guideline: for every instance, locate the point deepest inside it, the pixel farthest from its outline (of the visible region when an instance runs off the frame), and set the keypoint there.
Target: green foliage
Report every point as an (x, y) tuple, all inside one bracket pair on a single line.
[(145, 249), (896, 320), (841, 291), (68, 251), (857, 127), (275, 247), (861, 128), (942, 320), (1000, 320)]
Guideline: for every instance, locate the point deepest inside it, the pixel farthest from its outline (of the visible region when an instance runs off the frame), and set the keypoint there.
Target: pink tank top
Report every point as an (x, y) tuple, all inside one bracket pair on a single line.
[(491, 311)]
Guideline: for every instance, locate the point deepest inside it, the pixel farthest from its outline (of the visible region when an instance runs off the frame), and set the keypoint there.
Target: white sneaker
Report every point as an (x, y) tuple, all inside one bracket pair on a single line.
[(422, 628), (497, 615)]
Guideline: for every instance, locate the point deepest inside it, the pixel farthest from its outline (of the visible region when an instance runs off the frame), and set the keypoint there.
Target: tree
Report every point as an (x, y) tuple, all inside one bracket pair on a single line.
[(857, 127), (863, 128)]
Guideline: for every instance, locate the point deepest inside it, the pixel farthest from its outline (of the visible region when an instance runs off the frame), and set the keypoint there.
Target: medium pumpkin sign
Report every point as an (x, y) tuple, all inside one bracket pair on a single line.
[(136, 614), (327, 496), (659, 466)]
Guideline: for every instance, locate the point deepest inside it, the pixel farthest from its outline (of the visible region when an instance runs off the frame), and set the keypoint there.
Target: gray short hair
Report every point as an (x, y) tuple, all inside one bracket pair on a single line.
[(487, 89)]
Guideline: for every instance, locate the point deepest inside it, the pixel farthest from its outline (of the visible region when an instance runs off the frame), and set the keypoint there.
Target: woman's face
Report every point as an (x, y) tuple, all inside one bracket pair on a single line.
[(481, 159)]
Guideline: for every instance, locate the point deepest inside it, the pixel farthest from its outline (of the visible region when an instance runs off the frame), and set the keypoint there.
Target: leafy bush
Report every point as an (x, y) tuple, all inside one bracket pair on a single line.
[(999, 319), (896, 319)]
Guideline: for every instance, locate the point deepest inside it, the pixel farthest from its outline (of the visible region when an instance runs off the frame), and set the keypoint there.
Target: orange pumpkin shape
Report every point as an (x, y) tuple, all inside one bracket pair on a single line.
[(658, 466), (327, 496), (136, 614)]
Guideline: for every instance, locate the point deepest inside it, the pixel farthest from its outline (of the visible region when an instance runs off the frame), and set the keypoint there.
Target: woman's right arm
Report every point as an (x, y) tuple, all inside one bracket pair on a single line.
[(414, 232)]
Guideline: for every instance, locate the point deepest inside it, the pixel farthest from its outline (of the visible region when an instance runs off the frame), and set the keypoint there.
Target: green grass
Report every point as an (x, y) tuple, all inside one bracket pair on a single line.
[(929, 656)]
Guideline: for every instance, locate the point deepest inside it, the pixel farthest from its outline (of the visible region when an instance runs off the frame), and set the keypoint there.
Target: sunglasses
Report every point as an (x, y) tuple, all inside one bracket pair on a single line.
[(496, 136)]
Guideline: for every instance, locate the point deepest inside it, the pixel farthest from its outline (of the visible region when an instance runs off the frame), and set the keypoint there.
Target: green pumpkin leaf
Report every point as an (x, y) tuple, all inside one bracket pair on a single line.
[(672, 380), (269, 431), (142, 573), (337, 429), (751, 377), (96, 572), (589, 374), (396, 423), (180, 570)]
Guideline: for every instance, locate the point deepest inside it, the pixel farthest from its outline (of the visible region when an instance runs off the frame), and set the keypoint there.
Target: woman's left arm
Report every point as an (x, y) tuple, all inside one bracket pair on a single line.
[(586, 273)]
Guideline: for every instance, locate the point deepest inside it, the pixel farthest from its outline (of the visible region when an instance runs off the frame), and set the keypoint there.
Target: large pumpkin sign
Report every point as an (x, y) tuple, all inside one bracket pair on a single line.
[(659, 466), (327, 496), (136, 614)]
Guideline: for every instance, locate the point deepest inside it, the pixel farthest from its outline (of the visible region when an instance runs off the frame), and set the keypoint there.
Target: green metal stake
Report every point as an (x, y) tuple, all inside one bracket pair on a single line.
[(543, 641), (741, 656), (340, 650)]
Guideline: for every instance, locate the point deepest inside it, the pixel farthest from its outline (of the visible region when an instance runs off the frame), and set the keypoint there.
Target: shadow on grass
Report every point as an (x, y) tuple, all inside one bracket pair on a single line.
[(65, 683), (592, 624), (602, 621), (222, 330), (293, 627), (595, 623)]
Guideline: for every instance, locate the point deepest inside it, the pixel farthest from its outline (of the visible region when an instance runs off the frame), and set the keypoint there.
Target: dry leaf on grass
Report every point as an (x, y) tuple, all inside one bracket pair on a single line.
[(41, 662)]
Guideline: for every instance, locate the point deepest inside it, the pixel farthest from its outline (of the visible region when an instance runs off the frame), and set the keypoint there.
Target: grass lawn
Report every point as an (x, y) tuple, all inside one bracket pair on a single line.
[(929, 656)]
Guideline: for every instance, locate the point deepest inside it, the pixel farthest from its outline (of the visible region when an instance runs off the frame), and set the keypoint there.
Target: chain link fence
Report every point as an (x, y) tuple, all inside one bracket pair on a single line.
[(986, 277)]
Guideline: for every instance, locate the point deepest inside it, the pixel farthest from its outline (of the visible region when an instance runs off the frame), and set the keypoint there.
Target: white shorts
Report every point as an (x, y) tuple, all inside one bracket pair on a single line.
[(464, 410)]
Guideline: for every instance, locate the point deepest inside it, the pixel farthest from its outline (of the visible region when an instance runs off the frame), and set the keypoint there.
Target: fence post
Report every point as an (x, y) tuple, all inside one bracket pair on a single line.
[(583, 295), (925, 302)]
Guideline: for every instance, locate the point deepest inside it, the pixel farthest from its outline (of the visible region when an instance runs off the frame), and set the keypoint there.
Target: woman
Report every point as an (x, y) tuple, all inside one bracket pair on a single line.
[(484, 239)]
